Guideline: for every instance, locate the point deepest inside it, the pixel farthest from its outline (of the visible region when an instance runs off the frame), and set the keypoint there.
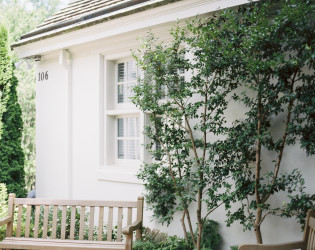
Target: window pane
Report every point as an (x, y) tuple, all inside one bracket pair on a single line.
[(121, 149), (120, 127), (120, 93), (132, 127), (131, 149), (130, 92), (121, 72), (132, 71)]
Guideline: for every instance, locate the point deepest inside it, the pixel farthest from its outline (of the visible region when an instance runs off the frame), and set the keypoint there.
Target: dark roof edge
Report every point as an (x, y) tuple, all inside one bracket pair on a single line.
[(83, 18), (86, 18)]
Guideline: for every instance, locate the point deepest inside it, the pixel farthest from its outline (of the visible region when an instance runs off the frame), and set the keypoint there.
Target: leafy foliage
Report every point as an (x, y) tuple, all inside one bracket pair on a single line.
[(20, 17), (259, 57), (276, 67), (11, 153), (3, 208), (154, 239), (186, 115)]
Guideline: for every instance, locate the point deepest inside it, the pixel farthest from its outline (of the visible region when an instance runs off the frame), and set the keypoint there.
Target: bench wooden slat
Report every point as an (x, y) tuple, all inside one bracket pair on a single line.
[(63, 222), (19, 221), (311, 240), (91, 222), (10, 214), (37, 212), (28, 220), (45, 224), (51, 244), (72, 224), (110, 224), (139, 216), (311, 223), (85, 203), (82, 223), (100, 224), (54, 222), (129, 218), (119, 224)]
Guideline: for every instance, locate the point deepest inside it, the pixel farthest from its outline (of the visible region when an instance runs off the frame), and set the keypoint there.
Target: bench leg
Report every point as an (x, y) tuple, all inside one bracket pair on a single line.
[(129, 241)]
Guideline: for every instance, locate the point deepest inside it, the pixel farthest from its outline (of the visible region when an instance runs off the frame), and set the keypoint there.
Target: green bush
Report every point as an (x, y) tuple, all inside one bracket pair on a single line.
[(11, 124), (3, 208), (235, 247), (211, 238), (154, 239)]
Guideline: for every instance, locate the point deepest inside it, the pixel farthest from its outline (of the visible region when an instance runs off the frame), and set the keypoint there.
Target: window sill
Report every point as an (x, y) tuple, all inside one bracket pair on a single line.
[(119, 174), (117, 112)]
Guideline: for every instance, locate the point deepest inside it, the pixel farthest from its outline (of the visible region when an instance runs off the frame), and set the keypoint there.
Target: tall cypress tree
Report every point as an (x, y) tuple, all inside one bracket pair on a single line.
[(11, 124)]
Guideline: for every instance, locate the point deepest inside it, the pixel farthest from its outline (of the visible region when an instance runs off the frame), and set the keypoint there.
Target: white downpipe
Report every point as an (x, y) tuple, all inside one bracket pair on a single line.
[(66, 61)]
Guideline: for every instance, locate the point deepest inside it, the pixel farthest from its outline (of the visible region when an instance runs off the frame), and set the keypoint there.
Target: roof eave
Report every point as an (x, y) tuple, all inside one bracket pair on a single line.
[(146, 4)]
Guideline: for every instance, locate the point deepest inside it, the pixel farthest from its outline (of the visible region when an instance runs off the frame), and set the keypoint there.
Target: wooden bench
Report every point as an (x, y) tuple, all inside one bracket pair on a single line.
[(308, 242), (69, 224)]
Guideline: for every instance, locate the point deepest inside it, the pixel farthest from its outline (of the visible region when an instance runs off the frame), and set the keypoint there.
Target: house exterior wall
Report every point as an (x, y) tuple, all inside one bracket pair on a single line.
[(73, 134), (51, 132)]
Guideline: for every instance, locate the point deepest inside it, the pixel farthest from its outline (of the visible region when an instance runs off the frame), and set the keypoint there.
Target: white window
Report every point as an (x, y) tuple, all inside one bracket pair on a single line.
[(126, 79), (128, 138), (122, 136)]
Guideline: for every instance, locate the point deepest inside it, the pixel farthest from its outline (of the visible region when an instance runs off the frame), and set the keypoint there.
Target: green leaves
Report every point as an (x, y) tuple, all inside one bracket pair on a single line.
[(260, 58), (11, 153), (277, 88)]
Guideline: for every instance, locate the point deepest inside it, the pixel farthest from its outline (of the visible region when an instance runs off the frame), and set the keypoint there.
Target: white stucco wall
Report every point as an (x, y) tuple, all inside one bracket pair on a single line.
[(71, 125), (51, 130)]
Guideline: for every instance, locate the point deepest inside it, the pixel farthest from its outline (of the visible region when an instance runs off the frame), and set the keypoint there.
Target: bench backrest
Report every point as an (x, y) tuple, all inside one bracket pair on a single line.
[(72, 219), (309, 232)]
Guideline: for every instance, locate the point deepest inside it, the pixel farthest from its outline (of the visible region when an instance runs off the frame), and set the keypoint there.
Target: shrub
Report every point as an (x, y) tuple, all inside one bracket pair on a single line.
[(3, 207), (154, 239)]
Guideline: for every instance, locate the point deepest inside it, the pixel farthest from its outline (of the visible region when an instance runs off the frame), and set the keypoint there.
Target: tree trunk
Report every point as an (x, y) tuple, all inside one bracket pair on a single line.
[(257, 226), (258, 235), (199, 236)]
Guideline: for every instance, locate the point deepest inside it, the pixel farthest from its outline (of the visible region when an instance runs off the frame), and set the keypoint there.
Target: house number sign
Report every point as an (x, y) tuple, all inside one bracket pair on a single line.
[(42, 76)]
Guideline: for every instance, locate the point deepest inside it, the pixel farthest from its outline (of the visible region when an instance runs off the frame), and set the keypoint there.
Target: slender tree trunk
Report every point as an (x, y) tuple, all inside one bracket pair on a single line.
[(190, 227), (257, 172), (258, 235), (257, 226), (199, 219), (184, 226)]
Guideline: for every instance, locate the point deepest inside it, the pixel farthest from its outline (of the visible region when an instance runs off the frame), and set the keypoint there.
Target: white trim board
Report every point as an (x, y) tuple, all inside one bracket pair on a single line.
[(152, 17)]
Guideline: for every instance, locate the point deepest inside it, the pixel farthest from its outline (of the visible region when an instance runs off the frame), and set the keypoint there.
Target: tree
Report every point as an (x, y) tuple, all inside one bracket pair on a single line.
[(187, 115), (11, 153), (276, 64), (21, 17)]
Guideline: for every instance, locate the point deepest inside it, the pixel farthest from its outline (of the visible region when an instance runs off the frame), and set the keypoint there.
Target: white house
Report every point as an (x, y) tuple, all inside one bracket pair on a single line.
[(84, 64)]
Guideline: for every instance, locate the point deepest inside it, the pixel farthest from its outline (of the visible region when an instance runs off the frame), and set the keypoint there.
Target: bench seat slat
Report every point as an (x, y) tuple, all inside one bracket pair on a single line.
[(72, 224), (87, 203), (119, 224), (37, 212), (82, 223), (45, 224), (19, 221), (110, 224), (63, 222), (54, 222), (91, 222), (22, 243), (28, 220), (100, 224)]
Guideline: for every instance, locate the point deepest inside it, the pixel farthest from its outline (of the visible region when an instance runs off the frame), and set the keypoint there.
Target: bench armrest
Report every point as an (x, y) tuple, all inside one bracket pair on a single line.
[(5, 220), (134, 226), (284, 246)]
